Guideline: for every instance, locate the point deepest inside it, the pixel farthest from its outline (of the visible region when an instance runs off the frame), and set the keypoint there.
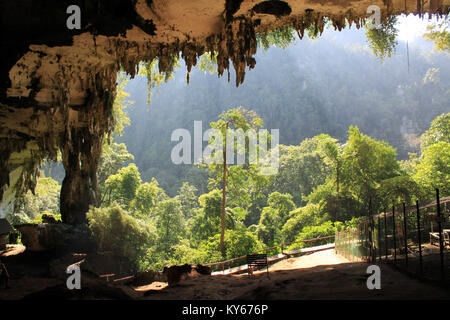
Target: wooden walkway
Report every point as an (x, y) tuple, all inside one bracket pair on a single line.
[(276, 258)]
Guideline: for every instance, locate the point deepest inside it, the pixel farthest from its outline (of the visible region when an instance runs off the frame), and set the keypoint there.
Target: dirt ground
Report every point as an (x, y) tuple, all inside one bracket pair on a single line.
[(321, 275), (318, 276)]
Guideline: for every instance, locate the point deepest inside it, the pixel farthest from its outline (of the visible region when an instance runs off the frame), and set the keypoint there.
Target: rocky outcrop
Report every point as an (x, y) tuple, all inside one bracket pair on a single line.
[(57, 85), (59, 238), (147, 277), (92, 265), (175, 274)]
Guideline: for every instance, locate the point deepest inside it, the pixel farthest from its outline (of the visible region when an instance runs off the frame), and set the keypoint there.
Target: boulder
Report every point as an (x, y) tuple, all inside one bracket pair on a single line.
[(147, 277), (175, 274), (60, 237)]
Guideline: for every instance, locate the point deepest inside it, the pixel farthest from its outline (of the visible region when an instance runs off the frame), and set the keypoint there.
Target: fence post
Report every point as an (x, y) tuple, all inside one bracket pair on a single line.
[(372, 250), (441, 247), (405, 233), (379, 238), (393, 233), (385, 234), (419, 238)]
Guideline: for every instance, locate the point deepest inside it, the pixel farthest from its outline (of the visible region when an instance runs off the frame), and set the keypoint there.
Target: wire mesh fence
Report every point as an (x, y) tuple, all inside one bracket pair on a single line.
[(415, 239)]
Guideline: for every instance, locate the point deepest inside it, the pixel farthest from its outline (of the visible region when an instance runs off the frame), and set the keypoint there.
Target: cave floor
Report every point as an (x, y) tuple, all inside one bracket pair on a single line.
[(321, 275), (318, 276)]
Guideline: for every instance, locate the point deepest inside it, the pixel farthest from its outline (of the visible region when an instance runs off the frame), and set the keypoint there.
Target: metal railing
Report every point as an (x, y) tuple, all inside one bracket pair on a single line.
[(415, 239), (229, 262)]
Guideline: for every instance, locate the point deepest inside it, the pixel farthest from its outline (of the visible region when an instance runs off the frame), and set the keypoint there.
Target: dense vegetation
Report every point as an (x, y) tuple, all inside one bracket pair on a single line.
[(338, 124)]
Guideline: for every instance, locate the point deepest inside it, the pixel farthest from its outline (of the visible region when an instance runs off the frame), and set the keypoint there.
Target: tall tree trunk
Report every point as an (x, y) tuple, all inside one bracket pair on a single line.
[(224, 197)]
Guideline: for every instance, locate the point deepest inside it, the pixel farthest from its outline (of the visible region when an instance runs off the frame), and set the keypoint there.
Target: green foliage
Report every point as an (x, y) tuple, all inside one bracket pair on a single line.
[(188, 199), (121, 187), (439, 33), (44, 200), (367, 163), (170, 227), (439, 131), (206, 222), (155, 77), (237, 243), (282, 202), (273, 217), (301, 169), (183, 253), (269, 228), (146, 196), (309, 215), (116, 231), (399, 189), (120, 104), (433, 170), (208, 62), (383, 41), (44, 216), (113, 158), (280, 38), (327, 228)]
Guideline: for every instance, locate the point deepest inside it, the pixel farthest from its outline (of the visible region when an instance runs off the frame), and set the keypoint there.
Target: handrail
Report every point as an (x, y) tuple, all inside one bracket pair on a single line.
[(411, 208), (266, 249)]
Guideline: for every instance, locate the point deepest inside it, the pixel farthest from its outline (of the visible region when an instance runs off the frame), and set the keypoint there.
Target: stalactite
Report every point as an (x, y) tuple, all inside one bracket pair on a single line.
[(76, 124)]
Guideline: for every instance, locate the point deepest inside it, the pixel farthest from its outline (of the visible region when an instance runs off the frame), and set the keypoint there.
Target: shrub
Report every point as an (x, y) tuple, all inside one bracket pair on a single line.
[(327, 228), (116, 231), (46, 216)]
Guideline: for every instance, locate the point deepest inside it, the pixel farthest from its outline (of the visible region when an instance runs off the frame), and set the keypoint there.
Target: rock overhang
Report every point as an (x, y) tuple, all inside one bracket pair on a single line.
[(57, 85)]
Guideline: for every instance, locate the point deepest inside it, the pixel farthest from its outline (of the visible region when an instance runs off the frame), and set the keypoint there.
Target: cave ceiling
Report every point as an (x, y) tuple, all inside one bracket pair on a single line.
[(57, 85)]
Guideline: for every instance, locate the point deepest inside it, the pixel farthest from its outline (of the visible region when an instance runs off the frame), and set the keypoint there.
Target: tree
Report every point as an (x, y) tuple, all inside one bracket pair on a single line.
[(206, 222), (146, 196), (325, 229), (188, 199), (208, 62), (331, 152), (309, 215), (114, 230), (234, 119), (113, 158), (44, 199), (382, 40), (440, 35), (238, 243), (114, 155), (281, 37), (273, 217), (301, 169), (398, 189), (170, 227), (439, 131), (366, 163), (121, 187), (433, 170)]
